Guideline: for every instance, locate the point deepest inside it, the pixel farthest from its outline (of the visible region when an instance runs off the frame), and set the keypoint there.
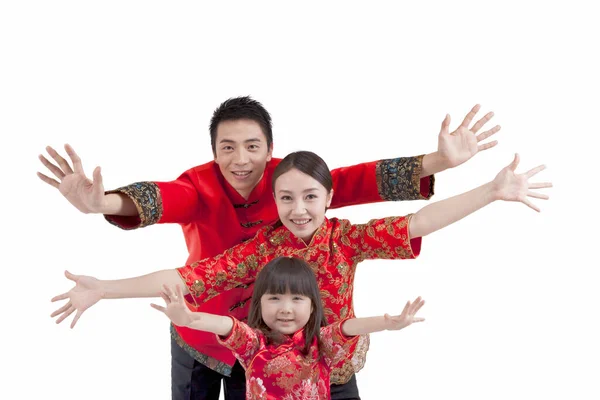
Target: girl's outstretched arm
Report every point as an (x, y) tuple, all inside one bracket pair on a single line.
[(180, 314), (361, 326), (507, 186)]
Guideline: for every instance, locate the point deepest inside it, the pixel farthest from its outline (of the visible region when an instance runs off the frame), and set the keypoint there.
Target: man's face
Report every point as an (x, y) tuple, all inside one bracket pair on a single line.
[(242, 154)]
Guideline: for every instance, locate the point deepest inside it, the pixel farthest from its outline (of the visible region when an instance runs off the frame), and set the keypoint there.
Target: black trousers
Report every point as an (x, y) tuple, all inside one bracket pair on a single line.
[(191, 380)]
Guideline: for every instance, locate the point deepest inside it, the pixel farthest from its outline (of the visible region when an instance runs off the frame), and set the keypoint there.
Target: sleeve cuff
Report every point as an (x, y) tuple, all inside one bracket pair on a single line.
[(400, 179), (148, 202)]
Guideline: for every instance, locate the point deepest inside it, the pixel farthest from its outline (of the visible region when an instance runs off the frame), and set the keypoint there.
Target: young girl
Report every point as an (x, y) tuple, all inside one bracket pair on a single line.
[(287, 348), (302, 187)]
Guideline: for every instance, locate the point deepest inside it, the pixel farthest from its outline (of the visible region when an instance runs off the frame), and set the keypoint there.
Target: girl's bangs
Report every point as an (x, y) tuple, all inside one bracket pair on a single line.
[(291, 280)]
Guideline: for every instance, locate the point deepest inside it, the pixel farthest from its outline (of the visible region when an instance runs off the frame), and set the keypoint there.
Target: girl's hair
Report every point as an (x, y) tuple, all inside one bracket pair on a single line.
[(288, 275), (308, 163)]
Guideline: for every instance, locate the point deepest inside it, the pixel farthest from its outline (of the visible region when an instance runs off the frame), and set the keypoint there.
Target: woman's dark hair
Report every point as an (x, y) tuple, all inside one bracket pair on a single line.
[(288, 275), (308, 163)]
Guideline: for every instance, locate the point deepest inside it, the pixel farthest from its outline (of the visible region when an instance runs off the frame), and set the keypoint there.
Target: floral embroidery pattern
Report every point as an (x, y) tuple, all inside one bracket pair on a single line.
[(334, 252), (282, 371)]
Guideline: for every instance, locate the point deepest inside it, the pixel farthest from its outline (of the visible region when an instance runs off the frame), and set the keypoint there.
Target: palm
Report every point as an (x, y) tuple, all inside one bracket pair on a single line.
[(85, 294), (510, 186), (176, 308), (177, 313), (86, 195), (458, 147), (81, 192), (407, 317), (462, 144)]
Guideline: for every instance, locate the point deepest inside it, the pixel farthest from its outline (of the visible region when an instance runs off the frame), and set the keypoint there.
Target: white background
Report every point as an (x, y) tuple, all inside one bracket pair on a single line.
[(512, 295)]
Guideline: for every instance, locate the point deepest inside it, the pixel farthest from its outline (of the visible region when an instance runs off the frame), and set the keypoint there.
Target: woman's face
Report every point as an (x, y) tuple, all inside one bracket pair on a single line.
[(301, 202)]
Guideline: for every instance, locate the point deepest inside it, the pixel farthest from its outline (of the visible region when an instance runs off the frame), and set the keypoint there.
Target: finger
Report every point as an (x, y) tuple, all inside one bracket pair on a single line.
[(165, 297), (97, 176), (77, 166), (61, 310), (479, 124), (487, 134), (48, 180), (406, 309), (513, 165), (534, 171), (180, 295), (53, 168), (413, 306), (71, 276), (62, 163), (486, 146), (159, 308), (418, 319), (418, 307), (169, 292), (538, 195), (540, 185), (65, 315), (530, 205), (77, 316), (469, 117), (60, 297), (445, 125)]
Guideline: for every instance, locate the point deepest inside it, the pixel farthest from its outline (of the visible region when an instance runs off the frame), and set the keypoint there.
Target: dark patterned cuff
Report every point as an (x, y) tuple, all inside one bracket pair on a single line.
[(210, 362), (400, 179), (147, 200)]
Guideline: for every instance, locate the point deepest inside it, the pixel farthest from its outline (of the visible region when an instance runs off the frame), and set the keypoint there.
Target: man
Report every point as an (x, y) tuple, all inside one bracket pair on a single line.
[(224, 202)]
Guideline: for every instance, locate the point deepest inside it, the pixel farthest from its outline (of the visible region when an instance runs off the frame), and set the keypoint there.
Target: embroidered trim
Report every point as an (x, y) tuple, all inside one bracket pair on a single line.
[(250, 224), (400, 178), (147, 199), (343, 374), (203, 359), (246, 205), (238, 305)]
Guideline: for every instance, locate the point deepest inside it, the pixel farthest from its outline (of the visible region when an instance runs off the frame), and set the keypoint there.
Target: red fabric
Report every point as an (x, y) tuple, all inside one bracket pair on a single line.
[(202, 202), (334, 252), (282, 371)]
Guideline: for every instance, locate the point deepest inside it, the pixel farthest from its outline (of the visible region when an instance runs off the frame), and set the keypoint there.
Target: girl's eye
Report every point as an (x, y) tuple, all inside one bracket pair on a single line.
[(286, 198), (298, 298), (311, 196), (273, 298)]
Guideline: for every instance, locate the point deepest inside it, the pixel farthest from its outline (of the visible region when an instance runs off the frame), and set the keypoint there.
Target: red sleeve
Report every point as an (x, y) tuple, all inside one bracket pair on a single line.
[(385, 180), (238, 265), (385, 238), (177, 201), (335, 345), (243, 341)]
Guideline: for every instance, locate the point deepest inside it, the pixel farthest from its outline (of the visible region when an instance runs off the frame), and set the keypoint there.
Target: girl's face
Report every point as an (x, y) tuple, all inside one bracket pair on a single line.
[(285, 313), (301, 202)]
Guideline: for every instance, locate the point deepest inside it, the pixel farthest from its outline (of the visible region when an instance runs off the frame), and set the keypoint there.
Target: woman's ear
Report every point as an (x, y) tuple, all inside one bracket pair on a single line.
[(329, 198)]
